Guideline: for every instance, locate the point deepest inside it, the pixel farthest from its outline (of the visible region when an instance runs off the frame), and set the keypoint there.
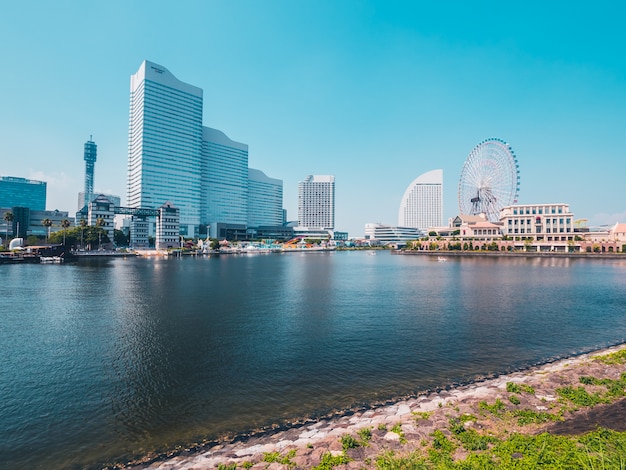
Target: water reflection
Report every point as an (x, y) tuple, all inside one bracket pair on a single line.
[(105, 361)]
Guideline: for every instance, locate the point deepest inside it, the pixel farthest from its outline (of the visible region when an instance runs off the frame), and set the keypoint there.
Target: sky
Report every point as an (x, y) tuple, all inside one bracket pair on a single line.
[(372, 92)]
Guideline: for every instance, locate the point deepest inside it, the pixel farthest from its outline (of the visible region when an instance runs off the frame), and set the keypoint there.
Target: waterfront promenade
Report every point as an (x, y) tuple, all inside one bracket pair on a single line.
[(409, 426)]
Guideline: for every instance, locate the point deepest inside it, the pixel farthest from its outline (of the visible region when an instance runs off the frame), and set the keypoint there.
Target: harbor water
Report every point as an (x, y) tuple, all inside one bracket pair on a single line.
[(106, 361)]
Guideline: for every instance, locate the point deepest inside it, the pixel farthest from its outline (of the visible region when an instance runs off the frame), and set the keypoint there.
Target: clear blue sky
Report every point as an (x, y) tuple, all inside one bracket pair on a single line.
[(373, 92)]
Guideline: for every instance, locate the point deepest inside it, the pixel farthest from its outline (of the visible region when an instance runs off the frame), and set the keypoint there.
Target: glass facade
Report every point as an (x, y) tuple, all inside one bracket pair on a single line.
[(90, 155), (165, 144), (224, 185), (265, 200), (422, 204), (21, 192)]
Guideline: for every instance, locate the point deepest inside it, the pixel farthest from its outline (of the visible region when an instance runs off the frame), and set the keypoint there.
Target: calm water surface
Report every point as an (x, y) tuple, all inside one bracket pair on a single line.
[(106, 361)]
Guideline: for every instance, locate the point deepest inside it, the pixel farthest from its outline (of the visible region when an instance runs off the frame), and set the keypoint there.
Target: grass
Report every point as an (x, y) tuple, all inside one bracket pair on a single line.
[(580, 396), (513, 387), (600, 449), (398, 430), (271, 457), (329, 461), (618, 357)]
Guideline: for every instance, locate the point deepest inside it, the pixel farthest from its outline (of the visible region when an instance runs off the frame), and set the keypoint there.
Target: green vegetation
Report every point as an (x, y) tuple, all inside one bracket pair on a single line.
[(513, 387), (419, 415), (271, 457), (513, 399), (329, 461), (231, 466), (365, 434), (398, 430), (349, 442), (497, 408), (600, 449), (580, 396), (618, 357)]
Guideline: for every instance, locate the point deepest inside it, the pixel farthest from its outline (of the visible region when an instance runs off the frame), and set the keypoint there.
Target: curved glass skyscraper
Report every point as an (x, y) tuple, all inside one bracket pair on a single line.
[(422, 204)]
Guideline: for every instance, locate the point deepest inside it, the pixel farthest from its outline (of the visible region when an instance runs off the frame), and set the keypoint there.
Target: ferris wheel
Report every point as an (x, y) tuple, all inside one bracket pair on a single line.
[(489, 180)]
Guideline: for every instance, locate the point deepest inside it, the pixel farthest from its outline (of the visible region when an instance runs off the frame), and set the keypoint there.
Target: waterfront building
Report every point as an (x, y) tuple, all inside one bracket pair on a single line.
[(316, 202), (172, 157), (265, 200), (33, 220), (102, 213), (386, 234), (21, 192), (139, 227), (116, 200), (538, 222), (421, 206), (165, 143), (89, 155), (224, 181), (167, 227)]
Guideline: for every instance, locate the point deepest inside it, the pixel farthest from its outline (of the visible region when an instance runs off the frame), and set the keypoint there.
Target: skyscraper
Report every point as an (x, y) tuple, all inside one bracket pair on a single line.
[(224, 193), (316, 202), (20, 192), (90, 155), (172, 158), (422, 204), (265, 199), (165, 144)]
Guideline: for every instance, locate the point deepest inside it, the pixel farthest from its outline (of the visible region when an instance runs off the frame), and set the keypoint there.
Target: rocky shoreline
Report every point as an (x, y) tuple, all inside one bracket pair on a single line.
[(408, 425)]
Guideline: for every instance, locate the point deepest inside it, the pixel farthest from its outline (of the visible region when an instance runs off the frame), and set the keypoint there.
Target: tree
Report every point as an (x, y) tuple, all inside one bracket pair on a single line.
[(83, 224), (8, 218), (47, 223), (99, 224), (65, 224), (120, 238)]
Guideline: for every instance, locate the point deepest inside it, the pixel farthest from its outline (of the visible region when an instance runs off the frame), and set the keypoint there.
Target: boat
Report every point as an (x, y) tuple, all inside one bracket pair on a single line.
[(50, 259), (441, 259)]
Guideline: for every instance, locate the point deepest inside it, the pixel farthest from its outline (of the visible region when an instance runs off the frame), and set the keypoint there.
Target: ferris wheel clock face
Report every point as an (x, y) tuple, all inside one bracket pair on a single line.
[(489, 180)]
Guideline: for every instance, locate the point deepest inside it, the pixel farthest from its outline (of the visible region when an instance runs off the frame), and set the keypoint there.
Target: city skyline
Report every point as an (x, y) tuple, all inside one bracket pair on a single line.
[(371, 92)]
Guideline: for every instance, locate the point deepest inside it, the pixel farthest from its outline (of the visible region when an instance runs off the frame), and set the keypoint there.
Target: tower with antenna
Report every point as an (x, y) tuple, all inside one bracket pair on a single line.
[(90, 162)]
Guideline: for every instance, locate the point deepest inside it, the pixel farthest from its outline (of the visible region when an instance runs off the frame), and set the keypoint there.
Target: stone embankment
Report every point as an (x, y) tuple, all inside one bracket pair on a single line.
[(408, 425)]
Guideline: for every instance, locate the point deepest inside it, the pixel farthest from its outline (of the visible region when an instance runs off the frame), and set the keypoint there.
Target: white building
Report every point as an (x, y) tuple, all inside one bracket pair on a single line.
[(167, 227), (388, 234), (316, 202), (165, 143), (102, 208), (265, 199), (422, 204), (540, 222)]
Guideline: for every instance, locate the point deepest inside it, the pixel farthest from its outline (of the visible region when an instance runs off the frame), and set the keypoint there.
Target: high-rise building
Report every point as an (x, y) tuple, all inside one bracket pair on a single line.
[(422, 204), (265, 200), (90, 155), (165, 144), (224, 184), (21, 192), (172, 158), (316, 202)]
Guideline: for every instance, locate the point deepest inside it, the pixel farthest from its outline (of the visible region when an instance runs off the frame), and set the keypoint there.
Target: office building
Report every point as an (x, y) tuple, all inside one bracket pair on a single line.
[(265, 200), (422, 204), (116, 200), (173, 158), (165, 144), (89, 155), (224, 180), (21, 192), (316, 202)]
